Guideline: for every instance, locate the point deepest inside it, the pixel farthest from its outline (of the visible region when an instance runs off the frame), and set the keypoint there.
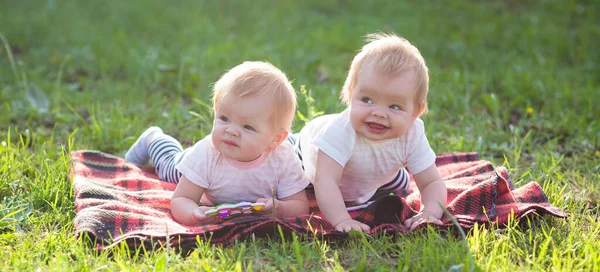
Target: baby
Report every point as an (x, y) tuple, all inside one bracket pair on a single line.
[(362, 152), (246, 157)]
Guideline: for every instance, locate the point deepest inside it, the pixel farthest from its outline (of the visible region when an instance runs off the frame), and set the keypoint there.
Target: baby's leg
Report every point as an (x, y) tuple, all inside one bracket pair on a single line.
[(138, 152), (294, 139), (400, 181), (165, 153)]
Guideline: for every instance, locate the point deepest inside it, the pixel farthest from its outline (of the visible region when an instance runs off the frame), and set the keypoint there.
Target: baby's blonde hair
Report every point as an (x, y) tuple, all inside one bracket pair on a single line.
[(390, 55), (259, 78)]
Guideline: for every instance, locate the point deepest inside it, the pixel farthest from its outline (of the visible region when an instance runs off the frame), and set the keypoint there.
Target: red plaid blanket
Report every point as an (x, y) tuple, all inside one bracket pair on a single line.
[(116, 201)]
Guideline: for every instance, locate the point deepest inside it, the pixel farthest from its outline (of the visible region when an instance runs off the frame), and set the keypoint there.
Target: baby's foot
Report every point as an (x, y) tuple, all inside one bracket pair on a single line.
[(138, 152)]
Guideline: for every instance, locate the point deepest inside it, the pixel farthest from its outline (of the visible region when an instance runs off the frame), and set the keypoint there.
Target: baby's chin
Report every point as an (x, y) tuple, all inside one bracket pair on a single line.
[(376, 137), (226, 152), (239, 157)]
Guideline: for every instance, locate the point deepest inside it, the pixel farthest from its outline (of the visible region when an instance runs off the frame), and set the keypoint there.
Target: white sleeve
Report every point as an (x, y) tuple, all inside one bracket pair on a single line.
[(195, 164), (420, 156), (291, 176), (337, 139)]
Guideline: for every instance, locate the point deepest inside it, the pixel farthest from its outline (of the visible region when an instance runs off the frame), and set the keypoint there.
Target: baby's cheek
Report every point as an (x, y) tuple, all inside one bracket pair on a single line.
[(355, 118), (215, 136)]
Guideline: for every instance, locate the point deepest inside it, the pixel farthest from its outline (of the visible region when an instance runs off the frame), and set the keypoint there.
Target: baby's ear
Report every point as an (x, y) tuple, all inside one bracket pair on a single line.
[(418, 110), (279, 138)]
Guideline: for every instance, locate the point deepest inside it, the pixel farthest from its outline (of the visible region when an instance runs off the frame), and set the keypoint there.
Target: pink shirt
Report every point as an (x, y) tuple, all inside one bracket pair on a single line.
[(276, 173)]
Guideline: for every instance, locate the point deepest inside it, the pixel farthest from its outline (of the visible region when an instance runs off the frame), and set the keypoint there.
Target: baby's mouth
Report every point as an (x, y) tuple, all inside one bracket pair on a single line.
[(229, 143), (376, 128)]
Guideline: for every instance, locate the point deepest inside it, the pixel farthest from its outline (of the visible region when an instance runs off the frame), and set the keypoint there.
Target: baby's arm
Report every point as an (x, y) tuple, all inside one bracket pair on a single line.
[(327, 177), (184, 203), (433, 194), (294, 205)]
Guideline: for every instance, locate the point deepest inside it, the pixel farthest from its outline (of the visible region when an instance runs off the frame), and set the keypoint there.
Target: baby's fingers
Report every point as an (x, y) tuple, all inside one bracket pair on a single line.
[(342, 228), (267, 209), (352, 225), (436, 221), (364, 227), (416, 221), (201, 217)]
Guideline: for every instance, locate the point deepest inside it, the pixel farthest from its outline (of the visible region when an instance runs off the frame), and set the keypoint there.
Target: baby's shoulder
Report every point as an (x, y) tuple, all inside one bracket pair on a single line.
[(417, 128), (204, 145), (334, 124), (323, 121), (203, 151), (284, 151), (418, 123)]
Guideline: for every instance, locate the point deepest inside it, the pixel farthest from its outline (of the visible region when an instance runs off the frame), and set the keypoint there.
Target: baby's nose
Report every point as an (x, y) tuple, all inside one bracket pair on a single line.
[(378, 114), (232, 131)]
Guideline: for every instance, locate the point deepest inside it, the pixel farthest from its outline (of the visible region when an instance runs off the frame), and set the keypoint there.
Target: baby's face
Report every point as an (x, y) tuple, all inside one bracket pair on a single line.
[(383, 107), (241, 129)]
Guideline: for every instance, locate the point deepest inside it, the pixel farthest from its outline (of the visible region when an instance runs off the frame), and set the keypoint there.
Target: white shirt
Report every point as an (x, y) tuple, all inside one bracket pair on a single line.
[(367, 164), (277, 173)]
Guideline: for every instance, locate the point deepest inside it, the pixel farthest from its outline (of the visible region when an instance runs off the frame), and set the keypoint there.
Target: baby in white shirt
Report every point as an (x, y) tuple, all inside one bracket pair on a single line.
[(246, 157), (352, 155)]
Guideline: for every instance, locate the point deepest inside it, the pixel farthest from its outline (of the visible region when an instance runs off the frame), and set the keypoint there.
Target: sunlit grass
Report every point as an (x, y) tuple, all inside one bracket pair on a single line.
[(512, 80)]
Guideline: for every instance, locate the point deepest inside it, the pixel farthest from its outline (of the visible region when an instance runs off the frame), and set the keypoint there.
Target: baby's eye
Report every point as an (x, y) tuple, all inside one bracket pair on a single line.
[(395, 107), (367, 100), (223, 118), (249, 128)]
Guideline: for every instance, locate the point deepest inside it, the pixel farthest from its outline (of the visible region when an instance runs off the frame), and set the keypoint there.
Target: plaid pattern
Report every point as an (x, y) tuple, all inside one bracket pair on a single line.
[(117, 201)]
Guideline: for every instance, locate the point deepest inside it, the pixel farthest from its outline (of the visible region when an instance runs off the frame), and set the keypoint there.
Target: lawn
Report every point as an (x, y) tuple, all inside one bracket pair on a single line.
[(516, 81)]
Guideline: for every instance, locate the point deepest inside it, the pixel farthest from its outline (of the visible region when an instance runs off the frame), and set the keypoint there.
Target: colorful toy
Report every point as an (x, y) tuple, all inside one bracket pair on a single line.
[(228, 210)]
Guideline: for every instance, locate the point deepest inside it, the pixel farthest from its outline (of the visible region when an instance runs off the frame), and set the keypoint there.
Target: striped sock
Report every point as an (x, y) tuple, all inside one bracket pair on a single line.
[(138, 152)]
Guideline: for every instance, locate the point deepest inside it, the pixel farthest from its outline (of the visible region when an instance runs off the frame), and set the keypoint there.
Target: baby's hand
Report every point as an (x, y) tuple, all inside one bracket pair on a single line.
[(351, 224), (420, 218), (267, 210), (201, 218)]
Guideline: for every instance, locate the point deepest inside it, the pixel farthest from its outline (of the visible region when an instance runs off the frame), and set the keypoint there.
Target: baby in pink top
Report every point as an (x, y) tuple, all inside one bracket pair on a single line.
[(246, 157)]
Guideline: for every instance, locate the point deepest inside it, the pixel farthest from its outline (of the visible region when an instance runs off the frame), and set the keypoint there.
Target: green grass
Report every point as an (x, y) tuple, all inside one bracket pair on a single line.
[(516, 81)]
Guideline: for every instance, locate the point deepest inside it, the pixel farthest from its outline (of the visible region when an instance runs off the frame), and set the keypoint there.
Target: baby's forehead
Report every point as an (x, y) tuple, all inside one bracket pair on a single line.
[(250, 98), (393, 87), (254, 108), (374, 76), (388, 94), (385, 69)]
